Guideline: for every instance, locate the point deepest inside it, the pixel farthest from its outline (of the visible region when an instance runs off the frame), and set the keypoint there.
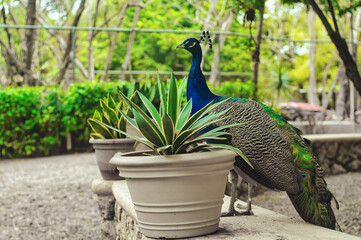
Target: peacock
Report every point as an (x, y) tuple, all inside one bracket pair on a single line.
[(281, 158)]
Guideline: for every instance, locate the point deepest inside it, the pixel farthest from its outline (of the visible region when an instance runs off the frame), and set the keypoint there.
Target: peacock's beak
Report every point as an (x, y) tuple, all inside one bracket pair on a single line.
[(180, 46)]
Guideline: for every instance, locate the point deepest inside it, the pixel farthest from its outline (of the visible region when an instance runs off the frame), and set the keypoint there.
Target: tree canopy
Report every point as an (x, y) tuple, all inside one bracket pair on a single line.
[(284, 55)]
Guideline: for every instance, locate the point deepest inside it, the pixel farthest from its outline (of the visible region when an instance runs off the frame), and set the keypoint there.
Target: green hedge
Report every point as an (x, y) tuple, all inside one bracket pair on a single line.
[(29, 119), (35, 121), (79, 104)]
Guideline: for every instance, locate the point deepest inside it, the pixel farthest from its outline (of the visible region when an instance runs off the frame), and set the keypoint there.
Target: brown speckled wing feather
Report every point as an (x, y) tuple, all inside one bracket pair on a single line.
[(264, 143)]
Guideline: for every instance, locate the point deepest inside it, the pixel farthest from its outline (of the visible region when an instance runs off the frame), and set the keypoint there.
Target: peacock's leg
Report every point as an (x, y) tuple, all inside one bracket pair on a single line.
[(231, 210), (248, 211)]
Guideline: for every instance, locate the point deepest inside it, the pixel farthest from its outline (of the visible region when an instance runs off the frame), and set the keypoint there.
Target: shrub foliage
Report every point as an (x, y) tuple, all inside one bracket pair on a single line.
[(36, 121)]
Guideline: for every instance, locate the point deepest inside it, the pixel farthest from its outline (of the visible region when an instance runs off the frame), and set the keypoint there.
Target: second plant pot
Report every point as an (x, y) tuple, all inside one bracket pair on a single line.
[(105, 150)]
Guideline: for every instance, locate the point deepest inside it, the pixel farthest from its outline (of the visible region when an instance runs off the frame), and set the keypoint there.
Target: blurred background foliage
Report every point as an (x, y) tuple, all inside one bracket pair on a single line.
[(36, 121), (46, 96)]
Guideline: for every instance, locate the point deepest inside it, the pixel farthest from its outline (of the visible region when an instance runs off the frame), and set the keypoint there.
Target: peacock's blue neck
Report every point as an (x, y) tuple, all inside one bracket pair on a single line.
[(197, 88)]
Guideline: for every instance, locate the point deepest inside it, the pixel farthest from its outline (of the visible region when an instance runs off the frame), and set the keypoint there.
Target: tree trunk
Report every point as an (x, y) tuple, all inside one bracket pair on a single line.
[(341, 46), (30, 40), (222, 38), (356, 38), (90, 50), (126, 61), (257, 50), (66, 57), (214, 37), (342, 94), (327, 100), (14, 66), (112, 44), (353, 46), (312, 83), (10, 68), (91, 35), (324, 78)]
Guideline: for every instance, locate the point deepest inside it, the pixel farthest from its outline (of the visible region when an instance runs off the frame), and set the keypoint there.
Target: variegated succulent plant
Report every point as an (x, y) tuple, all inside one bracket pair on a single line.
[(172, 129), (110, 116)]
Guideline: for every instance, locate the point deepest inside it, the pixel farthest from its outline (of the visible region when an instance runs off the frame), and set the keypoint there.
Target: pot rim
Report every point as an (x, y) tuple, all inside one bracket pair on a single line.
[(111, 140), (178, 165), (129, 159)]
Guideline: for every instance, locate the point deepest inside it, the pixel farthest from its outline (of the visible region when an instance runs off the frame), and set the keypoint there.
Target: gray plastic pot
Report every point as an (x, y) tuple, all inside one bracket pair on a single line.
[(105, 150), (176, 196)]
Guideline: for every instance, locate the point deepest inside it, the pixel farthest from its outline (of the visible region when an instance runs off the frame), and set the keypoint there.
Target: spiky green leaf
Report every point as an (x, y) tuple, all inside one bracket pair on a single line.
[(109, 113), (122, 125), (99, 128), (184, 115), (146, 118), (148, 132), (151, 109), (97, 136), (162, 96), (181, 90), (168, 128), (172, 99), (165, 150), (129, 135), (131, 89), (97, 115)]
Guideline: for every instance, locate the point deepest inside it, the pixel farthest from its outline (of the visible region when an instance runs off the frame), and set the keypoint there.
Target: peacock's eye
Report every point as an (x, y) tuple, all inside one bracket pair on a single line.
[(304, 175), (192, 44)]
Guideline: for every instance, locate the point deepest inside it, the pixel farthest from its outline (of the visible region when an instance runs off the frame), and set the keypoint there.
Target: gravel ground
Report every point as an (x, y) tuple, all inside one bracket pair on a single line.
[(50, 198)]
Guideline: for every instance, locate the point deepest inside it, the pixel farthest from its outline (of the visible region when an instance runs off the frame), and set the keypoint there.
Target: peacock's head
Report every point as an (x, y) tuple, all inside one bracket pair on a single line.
[(193, 45), (190, 44)]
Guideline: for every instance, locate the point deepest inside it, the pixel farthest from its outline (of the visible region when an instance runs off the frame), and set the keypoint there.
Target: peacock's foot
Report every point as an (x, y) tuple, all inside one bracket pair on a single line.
[(231, 214), (237, 213), (246, 212)]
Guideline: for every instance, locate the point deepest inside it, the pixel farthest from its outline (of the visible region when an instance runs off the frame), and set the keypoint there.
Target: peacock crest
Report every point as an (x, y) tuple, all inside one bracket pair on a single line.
[(205, 35)]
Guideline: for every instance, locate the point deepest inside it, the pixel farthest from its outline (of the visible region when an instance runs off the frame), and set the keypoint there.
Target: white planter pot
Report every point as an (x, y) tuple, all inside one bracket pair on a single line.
[(176, 196)]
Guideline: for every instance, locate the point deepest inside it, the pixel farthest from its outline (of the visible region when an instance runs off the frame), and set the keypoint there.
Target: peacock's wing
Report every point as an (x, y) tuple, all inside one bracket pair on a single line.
[(264, 142)]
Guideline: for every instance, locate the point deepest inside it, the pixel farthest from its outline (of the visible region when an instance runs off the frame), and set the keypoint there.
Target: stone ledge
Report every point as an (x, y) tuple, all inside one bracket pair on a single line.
[(334, 137), (102, 187), (265, 224)]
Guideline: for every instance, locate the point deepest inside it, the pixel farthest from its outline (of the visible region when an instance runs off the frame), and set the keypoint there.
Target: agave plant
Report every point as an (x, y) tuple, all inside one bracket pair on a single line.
[(110, 116), (172, 129)]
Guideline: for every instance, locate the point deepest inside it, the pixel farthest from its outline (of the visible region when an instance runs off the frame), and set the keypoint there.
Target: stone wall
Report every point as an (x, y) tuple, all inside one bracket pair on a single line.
[(338, 157), (106, 209), (125, 226), (106, 201)]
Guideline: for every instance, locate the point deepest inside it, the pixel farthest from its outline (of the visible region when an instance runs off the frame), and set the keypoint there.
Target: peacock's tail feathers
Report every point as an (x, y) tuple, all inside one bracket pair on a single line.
[(313, 202), (281, 157)]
